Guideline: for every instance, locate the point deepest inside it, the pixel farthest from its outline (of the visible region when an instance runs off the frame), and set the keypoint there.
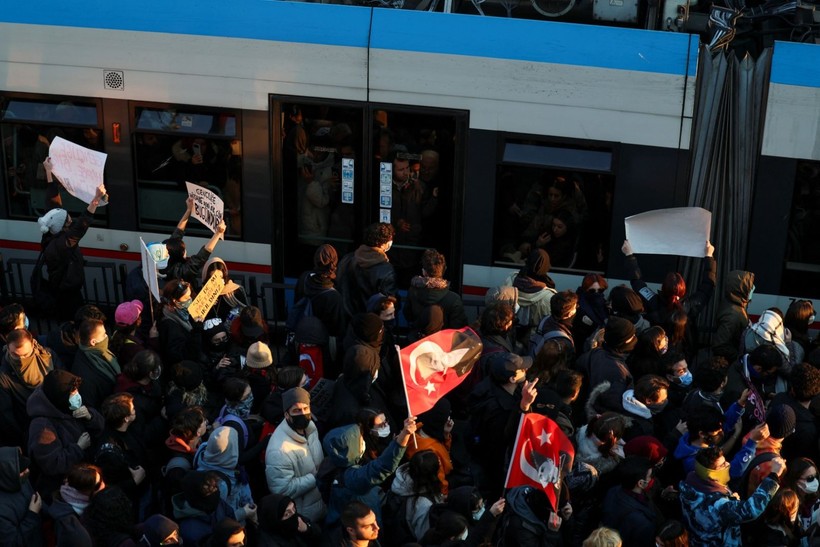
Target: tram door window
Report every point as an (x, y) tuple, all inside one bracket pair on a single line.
[(175, 145), (27, 128), (415, 164), (802, 263), (322, 179), (555, 198)]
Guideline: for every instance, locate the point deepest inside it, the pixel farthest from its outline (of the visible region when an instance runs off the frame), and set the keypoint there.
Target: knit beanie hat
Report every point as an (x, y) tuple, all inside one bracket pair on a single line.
[(619, 334), (156, 529), (646, 446), (53, 221), (294, 395), (325, 260), (188, 375), (626, 302), (781, 421), (211, 328), (259, 356), (58, 385), (368, 327), (127, 313)]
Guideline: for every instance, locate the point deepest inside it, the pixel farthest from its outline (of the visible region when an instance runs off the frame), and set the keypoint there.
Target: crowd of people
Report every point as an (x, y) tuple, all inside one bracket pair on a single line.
[(154, 428)]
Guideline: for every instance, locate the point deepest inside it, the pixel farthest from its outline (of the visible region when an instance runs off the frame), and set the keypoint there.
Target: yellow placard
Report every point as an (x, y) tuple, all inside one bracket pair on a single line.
[(206, 298)]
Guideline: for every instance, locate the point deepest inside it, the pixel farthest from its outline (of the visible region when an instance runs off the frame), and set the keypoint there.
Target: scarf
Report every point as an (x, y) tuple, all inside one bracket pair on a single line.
[(30, 370), (103, 360), (77, 500), (177, 318)]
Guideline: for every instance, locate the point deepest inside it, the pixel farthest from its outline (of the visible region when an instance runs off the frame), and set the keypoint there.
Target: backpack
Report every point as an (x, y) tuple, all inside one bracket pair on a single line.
[(396, 528), (327, 476), (539, 336), (741, 484), (225, 418), (307, 354)]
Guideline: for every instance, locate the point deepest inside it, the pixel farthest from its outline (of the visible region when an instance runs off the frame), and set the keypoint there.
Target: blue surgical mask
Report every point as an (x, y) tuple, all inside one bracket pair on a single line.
[(75, 401), (480, 513), (686, 379), (751, 293), (25, 322), (464, 534)]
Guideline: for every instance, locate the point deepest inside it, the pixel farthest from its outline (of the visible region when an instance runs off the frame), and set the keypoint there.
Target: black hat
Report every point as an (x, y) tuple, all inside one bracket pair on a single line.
[(294, 395), (781, 421), (503, 365), (188, 375), (368, 327), (626, 302), (619, 334)]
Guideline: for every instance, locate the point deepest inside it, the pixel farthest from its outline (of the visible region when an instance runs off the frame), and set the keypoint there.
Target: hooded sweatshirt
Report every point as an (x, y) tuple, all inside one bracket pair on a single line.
[(365, 272), (418, 505), (19, 527), (221, 454), (427, 291), (344, 447), (732, 318), (535, 289)]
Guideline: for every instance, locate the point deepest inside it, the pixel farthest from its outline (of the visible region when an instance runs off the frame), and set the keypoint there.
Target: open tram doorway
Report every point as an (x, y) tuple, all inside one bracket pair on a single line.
[(340, 166)]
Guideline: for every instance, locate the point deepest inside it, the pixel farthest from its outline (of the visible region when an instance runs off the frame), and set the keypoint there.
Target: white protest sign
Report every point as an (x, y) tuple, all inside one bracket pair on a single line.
[(208, 207), (681, 231), (149, 270), (206, 298), (78, 169)]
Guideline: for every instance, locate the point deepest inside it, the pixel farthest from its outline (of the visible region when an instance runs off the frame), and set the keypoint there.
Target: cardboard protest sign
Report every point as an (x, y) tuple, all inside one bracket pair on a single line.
[(206, 298), (78, 169), (149, 270), (681, 231), (208, 207)]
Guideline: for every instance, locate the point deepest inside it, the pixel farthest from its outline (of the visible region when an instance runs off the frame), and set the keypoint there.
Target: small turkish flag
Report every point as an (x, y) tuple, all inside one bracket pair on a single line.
[(542, 456), (435, 365)]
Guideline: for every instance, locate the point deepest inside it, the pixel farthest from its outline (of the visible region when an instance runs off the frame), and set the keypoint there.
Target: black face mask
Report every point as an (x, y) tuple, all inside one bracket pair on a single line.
[(290, 526), (300, 422)]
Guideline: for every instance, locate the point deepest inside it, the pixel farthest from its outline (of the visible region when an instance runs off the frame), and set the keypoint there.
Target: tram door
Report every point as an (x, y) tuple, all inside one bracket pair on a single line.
[(342, 166)]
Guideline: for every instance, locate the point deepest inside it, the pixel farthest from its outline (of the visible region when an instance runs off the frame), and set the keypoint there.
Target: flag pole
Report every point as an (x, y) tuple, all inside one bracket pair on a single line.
[(406, 396), (515, 446)]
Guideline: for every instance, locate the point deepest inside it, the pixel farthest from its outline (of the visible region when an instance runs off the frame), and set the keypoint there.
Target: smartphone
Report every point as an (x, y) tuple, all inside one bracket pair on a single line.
[(197, 149)]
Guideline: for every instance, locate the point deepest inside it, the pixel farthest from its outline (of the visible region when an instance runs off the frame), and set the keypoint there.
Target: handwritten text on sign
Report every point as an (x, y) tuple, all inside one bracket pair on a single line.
[(208, 207), (78, 169), (206, 298)]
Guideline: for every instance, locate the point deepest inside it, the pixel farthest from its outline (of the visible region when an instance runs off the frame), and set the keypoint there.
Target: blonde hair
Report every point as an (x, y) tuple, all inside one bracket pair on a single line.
[(603, 537)]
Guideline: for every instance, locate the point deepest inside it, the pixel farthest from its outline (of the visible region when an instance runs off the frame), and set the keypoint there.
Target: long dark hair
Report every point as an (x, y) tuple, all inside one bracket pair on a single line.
[(423, 469)]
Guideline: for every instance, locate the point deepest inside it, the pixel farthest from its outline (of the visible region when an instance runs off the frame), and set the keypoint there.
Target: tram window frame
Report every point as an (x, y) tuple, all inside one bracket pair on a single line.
[(218, 143), (530, 155), (800, 272), (70, 203)]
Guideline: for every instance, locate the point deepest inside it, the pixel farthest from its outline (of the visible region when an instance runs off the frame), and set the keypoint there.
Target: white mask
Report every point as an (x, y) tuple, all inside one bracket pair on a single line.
[(811, 486), (381, 431), (464, 534)]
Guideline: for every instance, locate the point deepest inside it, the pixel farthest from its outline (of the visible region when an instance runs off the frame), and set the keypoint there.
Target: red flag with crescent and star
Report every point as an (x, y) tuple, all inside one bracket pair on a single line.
[(435, 365), (543, 455)]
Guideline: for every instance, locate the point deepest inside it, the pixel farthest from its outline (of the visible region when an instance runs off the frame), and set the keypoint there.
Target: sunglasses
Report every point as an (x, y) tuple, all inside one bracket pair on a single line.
[(811, 478)]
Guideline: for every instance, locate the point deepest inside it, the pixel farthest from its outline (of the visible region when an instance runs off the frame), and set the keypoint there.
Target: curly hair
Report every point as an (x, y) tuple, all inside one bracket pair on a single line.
[(378, 234), (805, 382), (496, 317), (434, 263), (109, 514)]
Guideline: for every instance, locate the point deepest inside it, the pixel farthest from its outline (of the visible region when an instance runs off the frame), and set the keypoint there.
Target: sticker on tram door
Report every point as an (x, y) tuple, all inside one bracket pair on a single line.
[(347, 197), (384, 216)]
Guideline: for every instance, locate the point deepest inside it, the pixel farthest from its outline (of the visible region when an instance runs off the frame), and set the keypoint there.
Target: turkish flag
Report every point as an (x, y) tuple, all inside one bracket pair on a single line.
[(435, 365), (542, 456)]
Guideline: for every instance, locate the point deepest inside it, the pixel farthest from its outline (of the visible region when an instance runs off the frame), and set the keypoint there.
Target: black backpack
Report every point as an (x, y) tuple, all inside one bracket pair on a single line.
[(396, 529)]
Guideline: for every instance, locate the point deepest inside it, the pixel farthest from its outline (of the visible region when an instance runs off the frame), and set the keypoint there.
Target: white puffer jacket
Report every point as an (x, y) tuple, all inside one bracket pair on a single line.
[(291, 464)]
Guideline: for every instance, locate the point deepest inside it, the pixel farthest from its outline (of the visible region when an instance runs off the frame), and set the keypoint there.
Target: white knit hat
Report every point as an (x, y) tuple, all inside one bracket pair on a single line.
[(53, 221)]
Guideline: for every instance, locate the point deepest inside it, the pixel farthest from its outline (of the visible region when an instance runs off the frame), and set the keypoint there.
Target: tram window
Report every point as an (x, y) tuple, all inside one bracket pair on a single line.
[(27, 128), (420, 147), (567, 213), (802, 252), (173, 147), (319, 145)]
